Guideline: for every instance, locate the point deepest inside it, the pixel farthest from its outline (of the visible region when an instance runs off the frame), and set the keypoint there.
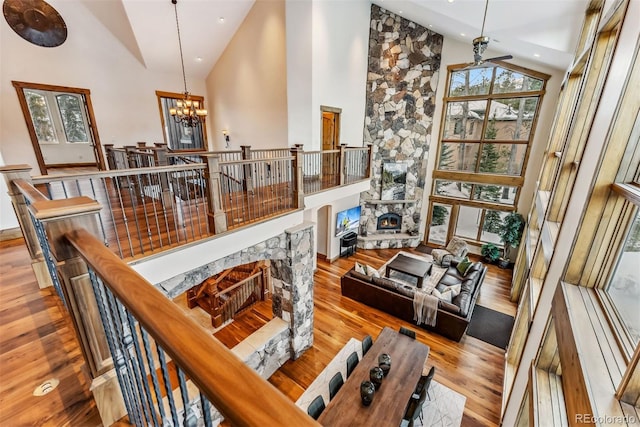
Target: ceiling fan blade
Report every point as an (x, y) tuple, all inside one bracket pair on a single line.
[(499, 58), (483, 64)]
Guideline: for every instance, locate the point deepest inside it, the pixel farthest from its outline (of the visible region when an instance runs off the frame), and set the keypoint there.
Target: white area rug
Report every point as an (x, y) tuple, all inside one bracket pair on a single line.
[(444, 409)]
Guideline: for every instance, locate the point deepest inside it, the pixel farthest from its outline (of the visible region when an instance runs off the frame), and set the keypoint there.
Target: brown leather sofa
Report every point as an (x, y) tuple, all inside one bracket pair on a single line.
[(397, 299)]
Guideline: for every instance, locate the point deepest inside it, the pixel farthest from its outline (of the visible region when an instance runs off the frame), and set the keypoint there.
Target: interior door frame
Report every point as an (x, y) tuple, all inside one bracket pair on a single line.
[(337, 113), (93, 127)]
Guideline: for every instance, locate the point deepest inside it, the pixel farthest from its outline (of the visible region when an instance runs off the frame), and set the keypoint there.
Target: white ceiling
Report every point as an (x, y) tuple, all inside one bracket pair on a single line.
[(523, 28)]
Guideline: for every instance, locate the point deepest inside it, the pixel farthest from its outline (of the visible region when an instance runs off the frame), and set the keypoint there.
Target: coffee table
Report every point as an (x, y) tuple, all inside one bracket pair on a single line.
[(410, 266)]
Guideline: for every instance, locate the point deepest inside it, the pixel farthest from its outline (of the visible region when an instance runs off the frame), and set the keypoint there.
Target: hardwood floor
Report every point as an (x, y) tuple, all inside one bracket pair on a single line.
[(37, 343)]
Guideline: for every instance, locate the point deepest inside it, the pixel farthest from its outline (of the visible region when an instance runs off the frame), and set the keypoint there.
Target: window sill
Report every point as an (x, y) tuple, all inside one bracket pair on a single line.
[(592, 362)]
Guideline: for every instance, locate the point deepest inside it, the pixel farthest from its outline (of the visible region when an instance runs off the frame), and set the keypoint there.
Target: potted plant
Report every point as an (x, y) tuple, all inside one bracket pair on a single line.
[(490, 252), (510, 235)]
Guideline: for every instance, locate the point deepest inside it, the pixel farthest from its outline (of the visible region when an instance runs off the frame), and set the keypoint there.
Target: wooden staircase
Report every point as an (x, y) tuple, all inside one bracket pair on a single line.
[(231, 291)]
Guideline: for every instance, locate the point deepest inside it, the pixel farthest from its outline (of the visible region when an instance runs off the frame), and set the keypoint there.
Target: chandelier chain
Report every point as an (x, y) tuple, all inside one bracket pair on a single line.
[(184, 75), (486, 6)]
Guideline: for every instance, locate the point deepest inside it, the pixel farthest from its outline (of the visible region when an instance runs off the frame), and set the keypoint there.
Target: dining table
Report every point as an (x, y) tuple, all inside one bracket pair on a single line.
[(390, 401)]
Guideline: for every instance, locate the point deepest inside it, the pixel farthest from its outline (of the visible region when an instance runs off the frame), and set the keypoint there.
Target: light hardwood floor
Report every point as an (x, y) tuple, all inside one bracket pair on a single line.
[(37, 343)]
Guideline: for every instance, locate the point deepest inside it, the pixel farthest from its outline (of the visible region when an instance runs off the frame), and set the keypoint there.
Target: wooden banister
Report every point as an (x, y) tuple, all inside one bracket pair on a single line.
[(237, 391)]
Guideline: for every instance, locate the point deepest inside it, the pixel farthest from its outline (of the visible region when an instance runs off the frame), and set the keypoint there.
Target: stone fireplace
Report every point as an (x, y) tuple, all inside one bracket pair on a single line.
[(403, 73), (389, 222)]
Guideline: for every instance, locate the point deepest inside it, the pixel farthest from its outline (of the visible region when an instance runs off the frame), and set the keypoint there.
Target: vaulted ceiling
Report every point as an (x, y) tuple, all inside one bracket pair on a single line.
[(543, 31)]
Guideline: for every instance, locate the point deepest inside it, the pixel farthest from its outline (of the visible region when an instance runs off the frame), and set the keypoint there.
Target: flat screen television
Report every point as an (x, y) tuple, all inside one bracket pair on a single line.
[(348, 220)]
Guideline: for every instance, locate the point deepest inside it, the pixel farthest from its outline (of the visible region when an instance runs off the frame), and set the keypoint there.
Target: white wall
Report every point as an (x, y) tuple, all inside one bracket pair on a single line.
[(247, 89), (299, 70), (122, 89), (334, 74)]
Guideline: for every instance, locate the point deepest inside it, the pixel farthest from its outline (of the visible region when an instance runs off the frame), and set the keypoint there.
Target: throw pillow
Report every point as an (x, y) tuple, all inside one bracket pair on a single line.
[(366, 269), (463, 266), (448, 294), (444, 296)]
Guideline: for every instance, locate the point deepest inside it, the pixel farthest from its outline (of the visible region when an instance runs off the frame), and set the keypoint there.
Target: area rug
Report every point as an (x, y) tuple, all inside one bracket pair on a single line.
[(490, 326), (443, 408), (424, 249)]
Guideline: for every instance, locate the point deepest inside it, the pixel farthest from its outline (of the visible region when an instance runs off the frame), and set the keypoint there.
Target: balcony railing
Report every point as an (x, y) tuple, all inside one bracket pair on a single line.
[(81, 228)]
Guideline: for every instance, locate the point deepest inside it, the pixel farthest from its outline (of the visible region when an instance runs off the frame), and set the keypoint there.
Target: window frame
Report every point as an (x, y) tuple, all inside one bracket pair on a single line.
[(476, 177), (164, 118)]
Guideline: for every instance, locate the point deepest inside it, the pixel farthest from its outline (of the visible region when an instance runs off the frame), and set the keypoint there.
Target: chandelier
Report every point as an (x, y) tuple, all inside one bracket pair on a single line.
[(187, 111)]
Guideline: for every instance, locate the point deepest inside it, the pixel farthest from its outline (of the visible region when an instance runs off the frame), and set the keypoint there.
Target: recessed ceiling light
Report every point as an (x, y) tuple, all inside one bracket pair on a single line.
[(198, 59), (221, 19), (450, 1), (462, 34), (430, 26), (400, 12), (537, 55)]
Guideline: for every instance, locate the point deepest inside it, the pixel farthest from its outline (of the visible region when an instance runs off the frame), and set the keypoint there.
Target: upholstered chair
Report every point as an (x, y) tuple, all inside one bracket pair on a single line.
[(367, 342), (316, 407), (455, 249), (335, 384), (352, 362)]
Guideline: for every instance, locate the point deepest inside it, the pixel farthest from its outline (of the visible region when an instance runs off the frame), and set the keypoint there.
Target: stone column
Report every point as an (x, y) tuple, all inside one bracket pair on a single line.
[(293, 287)]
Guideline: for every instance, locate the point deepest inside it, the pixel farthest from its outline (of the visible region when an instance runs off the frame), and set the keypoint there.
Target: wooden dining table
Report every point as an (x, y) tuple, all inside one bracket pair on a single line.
[(391, 399)]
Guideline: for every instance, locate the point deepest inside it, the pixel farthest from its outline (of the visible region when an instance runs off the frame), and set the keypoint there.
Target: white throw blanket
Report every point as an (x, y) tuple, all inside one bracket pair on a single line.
[(425, 308), (425, 305)]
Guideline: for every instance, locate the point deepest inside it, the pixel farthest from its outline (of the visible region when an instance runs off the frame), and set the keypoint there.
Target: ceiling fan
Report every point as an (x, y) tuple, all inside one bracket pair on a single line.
[(479, 46)]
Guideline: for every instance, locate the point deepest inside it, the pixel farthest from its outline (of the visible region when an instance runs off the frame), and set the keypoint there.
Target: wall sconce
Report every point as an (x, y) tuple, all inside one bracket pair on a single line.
[(227, 140)]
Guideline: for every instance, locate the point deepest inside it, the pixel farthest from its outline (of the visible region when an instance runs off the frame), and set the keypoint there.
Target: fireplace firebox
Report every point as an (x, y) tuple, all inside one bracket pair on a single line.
[(389, 222)]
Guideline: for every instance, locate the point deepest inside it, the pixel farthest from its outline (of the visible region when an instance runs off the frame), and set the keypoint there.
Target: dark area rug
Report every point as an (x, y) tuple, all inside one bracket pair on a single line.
[(490, 326), (424, 249)]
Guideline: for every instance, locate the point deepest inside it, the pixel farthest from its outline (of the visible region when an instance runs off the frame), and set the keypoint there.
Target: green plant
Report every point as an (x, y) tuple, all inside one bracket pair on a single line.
[(490, 251), (511, 231)]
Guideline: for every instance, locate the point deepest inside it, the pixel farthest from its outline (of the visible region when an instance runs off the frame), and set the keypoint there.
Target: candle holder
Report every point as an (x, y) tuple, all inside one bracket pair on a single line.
[(376, 375), (384, 362), (367, 391)]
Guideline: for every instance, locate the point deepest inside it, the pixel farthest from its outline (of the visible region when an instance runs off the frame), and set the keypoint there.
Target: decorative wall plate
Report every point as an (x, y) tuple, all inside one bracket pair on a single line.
[(35, 21)]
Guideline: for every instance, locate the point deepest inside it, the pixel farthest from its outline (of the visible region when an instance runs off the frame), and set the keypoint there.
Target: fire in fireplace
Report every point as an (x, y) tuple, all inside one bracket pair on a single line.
[(389, 222)]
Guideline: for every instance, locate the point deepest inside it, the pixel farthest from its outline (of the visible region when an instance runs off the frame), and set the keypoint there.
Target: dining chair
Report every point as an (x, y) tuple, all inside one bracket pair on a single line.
[(367, 342), (424, 383), (408, 332), (413, 411), (352, 361), (316, 407), (335, 383)]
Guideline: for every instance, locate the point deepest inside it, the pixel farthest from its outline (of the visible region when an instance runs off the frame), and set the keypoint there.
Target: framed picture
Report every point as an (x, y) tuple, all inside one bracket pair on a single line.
[(394, 177)]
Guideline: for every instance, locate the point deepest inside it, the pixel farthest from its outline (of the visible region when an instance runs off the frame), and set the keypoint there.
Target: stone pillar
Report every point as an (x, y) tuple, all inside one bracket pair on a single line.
[(292, 280)]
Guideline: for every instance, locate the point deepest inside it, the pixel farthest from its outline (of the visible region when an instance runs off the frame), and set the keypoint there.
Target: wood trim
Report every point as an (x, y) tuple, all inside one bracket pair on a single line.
[(630, 192), (10, 234), (93, 126), (479, 178), (507, 65), (175, 95), (72, 165), (237, 391), (472, 203)]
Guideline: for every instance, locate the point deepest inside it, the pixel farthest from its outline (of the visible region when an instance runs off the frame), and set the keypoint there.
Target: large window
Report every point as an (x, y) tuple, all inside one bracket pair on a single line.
[(490, 115), (624, 286), (58, 117)]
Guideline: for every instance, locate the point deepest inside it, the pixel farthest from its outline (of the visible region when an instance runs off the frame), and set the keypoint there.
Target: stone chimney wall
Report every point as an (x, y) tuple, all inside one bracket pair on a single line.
[(403, 72)]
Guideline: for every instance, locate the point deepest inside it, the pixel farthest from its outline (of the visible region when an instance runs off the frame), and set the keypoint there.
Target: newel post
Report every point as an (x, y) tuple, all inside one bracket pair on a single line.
[(111, 161), (59, 217), (215, 213), (160, 158), (38, 263), (342, 165), (296, 166), (247, 182)]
